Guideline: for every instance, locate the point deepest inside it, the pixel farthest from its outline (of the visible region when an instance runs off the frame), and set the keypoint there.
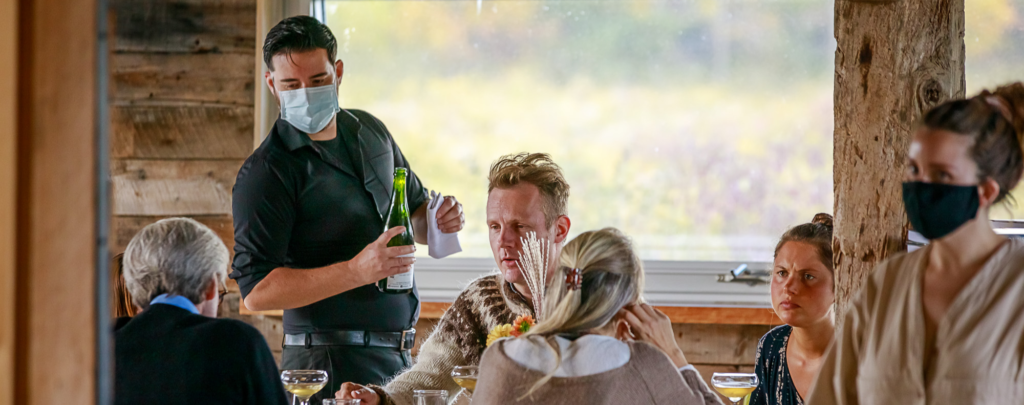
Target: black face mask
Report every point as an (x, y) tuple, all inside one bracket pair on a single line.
[(936, 210)]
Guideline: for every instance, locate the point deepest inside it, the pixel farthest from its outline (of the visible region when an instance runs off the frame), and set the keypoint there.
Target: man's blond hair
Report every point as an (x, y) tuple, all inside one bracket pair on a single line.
[(537, 169)]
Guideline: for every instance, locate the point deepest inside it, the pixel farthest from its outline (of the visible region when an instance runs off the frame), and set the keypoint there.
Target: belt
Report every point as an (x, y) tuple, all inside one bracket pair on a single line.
[(403, 340)]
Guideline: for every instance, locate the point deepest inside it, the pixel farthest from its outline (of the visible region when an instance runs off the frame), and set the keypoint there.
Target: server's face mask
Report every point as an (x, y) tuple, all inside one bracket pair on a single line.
[(309, 109), (936, 210)]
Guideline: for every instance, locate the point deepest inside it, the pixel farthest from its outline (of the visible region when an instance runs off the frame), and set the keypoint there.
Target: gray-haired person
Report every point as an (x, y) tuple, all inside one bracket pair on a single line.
[(175, 351)]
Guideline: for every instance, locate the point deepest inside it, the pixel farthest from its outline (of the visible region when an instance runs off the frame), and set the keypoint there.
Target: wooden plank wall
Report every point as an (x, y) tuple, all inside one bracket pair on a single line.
[(182, 108), (182, 111), (182, 117)]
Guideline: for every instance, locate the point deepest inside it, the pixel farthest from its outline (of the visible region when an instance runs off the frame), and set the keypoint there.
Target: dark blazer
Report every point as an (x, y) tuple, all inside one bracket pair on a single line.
[(168, 355)]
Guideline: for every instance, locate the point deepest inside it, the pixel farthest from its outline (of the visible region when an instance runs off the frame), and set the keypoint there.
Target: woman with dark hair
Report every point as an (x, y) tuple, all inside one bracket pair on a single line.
[(789, 356), (943, 324)]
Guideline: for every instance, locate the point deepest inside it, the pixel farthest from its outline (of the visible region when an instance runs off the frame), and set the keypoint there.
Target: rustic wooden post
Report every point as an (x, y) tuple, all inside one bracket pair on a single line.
[(48, 201), (894, 59)]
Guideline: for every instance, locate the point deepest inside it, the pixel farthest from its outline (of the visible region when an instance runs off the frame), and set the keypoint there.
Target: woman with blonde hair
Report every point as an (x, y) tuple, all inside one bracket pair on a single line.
[(582, 351), (943, 324)]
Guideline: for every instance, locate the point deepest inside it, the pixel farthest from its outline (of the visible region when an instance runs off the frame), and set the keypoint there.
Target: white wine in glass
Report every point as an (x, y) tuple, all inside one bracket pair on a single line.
[(465, 376), (734, 386), (303, 384)]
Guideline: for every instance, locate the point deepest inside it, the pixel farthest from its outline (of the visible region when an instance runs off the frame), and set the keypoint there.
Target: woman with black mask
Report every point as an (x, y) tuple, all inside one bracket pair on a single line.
[(944, 324)]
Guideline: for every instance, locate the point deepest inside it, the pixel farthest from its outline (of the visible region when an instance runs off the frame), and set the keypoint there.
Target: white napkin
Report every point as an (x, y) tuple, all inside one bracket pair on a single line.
[(439, 244)]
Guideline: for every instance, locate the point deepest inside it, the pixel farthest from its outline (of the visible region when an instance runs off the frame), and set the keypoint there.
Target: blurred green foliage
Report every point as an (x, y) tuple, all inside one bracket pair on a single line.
[(702, 128)]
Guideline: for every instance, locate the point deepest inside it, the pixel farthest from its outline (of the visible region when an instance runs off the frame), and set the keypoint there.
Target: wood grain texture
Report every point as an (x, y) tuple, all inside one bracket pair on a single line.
[(893, 61), (719, 344), (181, 132), (735, 316), (56, 194), (206, 78), (173, 187), (692, 315), (192, 26), (8, 191), (126, 227)]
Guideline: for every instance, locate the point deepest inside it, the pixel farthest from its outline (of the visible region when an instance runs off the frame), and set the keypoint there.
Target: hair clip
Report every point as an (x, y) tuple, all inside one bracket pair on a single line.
[(573, 279)]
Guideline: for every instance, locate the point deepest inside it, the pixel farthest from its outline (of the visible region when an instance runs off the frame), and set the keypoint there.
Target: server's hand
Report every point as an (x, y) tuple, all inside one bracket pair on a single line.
[(378, 261), (449, 216)]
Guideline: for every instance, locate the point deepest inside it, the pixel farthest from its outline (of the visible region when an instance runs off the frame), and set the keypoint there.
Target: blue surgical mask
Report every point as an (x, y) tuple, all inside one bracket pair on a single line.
[(310, 109)]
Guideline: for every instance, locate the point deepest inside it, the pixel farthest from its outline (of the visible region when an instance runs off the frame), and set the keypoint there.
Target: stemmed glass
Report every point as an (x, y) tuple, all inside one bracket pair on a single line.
[(465, 376), (303, 384), (735, 386)]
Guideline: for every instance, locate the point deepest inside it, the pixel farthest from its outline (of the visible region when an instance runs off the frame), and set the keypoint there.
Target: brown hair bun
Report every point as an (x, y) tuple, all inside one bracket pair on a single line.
[(1012, 97), (995, 122), (822, 218), (817, 233)]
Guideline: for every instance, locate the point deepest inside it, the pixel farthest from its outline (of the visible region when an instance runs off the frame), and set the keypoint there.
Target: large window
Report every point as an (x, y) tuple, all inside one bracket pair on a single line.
[(701, 128), (994, 40)]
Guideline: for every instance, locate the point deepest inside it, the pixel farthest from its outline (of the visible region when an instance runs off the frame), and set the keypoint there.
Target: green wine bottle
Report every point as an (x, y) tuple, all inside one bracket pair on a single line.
[(399, 216)]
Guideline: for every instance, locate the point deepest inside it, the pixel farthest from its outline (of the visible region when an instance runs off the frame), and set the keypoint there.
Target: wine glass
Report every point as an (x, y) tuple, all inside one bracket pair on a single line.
[(735, 386), (465, 376), (303, 384)]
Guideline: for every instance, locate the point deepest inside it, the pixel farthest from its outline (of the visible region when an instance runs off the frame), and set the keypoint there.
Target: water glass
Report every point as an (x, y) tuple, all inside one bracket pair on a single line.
[(430, 397)]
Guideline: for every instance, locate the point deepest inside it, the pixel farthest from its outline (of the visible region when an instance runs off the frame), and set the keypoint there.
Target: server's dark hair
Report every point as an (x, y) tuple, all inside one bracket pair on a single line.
[(298, 34), (817, 233), (995, 121)]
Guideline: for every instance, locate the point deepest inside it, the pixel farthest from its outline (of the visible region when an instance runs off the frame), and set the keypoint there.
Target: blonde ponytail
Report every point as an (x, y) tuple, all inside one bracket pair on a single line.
[(612, 277)]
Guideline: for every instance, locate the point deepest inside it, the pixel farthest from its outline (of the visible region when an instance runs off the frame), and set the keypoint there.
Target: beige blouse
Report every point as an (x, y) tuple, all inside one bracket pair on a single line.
[(878, 356)]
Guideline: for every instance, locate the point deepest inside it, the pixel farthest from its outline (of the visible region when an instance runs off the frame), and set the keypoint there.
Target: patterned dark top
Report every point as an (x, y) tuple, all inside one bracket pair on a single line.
[(775, 386)]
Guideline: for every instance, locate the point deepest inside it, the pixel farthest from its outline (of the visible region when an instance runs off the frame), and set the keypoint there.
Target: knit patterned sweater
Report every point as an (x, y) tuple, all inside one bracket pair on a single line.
[(458, 340)]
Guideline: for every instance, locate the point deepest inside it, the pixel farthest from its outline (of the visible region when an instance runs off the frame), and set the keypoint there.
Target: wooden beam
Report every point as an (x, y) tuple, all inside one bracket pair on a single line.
[(688, 315), (8, 191), (56, 195), (173, 187), (893, 61), (198, 78), (184, 26), (181, 132), (709, 315)]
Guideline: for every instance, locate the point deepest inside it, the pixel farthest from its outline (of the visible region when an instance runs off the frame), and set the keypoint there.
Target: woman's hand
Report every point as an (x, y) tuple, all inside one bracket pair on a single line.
[(355, 391), (653, 326)]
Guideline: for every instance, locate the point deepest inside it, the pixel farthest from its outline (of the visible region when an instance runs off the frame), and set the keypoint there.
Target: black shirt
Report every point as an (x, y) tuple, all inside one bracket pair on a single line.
[(775, 384), (298, 204), (169, 356)]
